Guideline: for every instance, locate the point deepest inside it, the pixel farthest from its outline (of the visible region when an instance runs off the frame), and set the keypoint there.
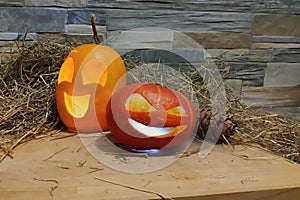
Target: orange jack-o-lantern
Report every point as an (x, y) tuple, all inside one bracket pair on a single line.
[(87, 79), (148, 116)]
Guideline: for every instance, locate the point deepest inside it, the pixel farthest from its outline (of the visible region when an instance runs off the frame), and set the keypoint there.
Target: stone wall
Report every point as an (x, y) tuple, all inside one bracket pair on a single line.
[(254, 37)]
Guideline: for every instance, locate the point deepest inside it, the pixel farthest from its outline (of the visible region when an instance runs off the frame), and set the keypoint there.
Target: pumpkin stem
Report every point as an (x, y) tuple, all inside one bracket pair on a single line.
[(93, 21)]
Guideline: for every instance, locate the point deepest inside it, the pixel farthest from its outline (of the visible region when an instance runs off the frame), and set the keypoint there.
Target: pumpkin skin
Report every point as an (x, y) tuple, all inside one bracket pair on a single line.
[(87, 79), (166, 116)]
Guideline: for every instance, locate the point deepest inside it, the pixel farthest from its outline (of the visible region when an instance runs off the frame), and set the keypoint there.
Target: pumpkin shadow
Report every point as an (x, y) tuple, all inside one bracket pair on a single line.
[(109, 145)]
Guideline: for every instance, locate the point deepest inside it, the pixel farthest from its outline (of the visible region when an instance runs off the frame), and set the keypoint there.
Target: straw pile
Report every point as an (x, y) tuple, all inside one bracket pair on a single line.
[(28, 110), (27, 94)]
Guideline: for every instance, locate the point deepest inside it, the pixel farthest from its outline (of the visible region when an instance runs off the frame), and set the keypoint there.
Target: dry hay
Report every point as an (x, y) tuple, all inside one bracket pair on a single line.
[(27, 95), (28, 110)]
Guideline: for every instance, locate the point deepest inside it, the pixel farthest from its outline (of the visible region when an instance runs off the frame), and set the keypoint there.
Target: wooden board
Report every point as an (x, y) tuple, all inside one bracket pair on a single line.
[(285, 96), (239, 173)]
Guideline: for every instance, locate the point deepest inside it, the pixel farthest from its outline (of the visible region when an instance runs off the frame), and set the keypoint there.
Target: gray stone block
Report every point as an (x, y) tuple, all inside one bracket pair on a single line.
[(60, 3), (82, 29), (251, 73), (275, 39), (17, 36), (245, 6), (142, 38), (216, 5), (286, 55), (16, 19), (83, 16), (276, 6), (166, 56), (282, 74), (242, 55), (179, 20), (274, 46)]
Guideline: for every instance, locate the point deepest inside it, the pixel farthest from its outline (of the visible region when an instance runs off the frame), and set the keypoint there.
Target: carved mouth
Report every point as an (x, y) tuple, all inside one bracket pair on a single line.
[(77, 106), (157, 132)]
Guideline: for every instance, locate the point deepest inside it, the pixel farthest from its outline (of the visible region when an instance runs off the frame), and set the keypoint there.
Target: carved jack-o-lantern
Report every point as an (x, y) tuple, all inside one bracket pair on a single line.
[(87, 79), (148, 116)]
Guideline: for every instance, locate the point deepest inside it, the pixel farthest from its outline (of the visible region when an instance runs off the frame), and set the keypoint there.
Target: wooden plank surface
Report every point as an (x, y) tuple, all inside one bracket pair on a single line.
[(239, 173), (288, 96)]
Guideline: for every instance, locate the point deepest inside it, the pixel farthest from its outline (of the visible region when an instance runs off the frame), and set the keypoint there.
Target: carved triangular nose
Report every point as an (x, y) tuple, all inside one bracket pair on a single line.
[(158, 118)]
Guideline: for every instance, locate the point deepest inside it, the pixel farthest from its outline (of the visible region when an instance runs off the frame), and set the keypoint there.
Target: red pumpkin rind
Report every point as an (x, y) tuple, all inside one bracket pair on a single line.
[(122, 131), (95, 118)]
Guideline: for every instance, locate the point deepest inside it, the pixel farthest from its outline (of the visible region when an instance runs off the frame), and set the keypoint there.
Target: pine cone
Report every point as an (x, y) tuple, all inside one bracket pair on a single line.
[(206, 119)]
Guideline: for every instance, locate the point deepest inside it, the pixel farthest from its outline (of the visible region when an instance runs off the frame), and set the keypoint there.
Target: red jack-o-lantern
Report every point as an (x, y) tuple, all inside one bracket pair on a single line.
[(148, 116), (87, 79)]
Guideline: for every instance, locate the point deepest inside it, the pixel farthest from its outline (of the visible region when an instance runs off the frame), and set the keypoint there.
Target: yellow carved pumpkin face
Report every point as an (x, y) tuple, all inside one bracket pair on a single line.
[(87, 79), (148, 116)]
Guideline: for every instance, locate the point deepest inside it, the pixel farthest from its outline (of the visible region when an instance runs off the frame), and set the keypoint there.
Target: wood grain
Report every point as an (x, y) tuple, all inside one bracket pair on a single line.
[(223, 174), (271, 96)]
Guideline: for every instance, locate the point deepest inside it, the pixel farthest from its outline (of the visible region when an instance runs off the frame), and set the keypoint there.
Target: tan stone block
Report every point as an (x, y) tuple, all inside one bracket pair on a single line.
[(275, 24), (11, 2), (221, 40)]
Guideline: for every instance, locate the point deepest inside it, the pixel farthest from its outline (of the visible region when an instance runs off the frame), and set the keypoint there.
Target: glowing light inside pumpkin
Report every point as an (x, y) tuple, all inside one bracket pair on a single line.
[(77, 106), (94, 71), (179, 110), (137, 103), (66, 71), (150, 131), (148, 151)]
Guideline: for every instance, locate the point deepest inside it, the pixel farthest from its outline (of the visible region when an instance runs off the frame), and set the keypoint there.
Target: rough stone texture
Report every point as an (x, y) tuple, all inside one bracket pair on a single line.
[(246, 65), (221, 40), (17, 36), (276, 6), (166, 56), (16, 19), (242, 55), (216, 5), (179, 20), (143, 38), (275, 39), (243, 35), (80, 29), (251, 73), (125, 19), (11, 2), (83, 16), (60, 3), (279, 25), (282, 74), (182, 40), (7, 43), (257, 6), (274, 46), (286, 55)]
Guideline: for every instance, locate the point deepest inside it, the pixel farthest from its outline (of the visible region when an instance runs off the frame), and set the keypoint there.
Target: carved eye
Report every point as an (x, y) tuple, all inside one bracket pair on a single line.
[(137, 103), (66, 71), (179, 110)]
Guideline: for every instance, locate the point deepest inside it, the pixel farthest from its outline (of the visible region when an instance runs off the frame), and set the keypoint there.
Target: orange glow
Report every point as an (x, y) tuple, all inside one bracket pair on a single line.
[(77, 106), (66, 71), (138, 103), (94, 71)]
